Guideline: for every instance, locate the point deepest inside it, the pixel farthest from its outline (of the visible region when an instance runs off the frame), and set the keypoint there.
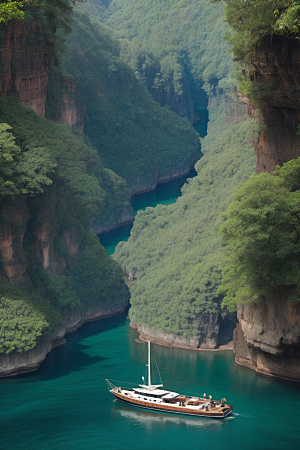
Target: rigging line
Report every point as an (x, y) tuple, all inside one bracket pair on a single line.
[(176, 381), (157, 368), (125, 382), (139, 366)]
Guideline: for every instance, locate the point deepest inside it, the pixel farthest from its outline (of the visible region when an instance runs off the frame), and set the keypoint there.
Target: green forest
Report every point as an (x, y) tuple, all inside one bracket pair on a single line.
[(134, 136), (191, 33), (142, 69), (261, 238), (55, 172), (174, 251)]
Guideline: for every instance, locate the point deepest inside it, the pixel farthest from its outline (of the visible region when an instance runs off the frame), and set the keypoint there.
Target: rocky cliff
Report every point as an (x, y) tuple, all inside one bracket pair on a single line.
[(29, 240), (267, 338), (215, 332), (19, 221), (140, 185), (25, 67), (275, 84), (26, 55)]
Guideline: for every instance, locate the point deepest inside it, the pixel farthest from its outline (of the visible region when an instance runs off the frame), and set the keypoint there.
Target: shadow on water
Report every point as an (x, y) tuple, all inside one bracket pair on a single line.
[(72, 356)]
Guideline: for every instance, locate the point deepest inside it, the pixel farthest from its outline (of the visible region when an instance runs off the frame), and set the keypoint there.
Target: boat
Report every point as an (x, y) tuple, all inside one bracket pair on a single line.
[(156, 398)]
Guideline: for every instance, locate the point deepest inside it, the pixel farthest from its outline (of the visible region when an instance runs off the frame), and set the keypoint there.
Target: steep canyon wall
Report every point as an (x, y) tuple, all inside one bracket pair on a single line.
[(267, 338), (25, 56)]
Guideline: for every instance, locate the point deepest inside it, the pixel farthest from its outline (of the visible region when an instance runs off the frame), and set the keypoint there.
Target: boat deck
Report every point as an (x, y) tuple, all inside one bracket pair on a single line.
[(180, 405)]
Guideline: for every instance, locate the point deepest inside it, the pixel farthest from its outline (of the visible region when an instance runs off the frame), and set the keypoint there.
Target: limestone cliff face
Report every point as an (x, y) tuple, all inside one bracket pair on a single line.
[(214, 332), (26, 55), (267, 338), (12, 232), (123, 217), (139, 185), (24, 229), (20, 221), (25, 66), (277, 64), (72, 112)]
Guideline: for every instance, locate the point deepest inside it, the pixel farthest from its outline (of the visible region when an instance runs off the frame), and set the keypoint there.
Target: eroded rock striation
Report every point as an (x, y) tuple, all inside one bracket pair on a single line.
[(276, 65), (267, 338), (26, 67)]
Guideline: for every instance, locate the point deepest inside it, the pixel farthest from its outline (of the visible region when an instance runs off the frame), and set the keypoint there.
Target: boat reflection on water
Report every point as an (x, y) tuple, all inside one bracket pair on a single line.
[(154, 419)]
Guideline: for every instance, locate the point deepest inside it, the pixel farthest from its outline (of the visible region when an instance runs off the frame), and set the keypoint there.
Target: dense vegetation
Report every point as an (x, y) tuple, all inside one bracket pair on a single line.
[(261, 235), (185, 36), (253, 20), (61, 179), (174, 251), (22, 172), (86, 189), (134, 136)]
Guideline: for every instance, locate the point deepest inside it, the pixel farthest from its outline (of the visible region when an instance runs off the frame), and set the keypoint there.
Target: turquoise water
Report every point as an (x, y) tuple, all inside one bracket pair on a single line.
[(201, 124), (164, 194), (65, 404)]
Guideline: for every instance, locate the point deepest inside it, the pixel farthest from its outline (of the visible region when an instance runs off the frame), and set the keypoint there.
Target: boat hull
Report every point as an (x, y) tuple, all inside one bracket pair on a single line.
[(172, 410)]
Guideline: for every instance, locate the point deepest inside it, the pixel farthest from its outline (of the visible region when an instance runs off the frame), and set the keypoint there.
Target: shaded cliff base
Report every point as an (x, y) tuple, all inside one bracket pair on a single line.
[(18, 363), (126, 216), (170, 340), (267, 338)]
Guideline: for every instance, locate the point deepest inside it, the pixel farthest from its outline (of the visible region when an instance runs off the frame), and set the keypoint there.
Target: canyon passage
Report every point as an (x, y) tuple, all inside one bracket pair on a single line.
[(66, 404)]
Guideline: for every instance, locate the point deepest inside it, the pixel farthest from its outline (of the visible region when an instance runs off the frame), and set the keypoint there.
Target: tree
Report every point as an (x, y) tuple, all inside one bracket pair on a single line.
[(22, 171), (10, 10), (252, 20), (261, 238)]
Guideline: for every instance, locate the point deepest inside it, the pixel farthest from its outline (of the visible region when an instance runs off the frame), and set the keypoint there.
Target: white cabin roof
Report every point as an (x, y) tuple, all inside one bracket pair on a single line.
[(160, 392), (171, 395)]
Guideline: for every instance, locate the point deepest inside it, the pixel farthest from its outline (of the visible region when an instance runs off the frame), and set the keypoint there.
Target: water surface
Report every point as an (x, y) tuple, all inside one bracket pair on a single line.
[(65, 404), (164, 194)]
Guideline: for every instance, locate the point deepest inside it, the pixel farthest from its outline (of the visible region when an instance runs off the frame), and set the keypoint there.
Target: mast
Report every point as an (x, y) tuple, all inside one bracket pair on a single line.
[(149, 385), (149, 365)]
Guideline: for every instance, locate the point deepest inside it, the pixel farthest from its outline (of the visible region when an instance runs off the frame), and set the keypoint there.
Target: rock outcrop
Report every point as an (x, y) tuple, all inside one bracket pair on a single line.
[(72, 111), (25, 66), (214, 332), (140, 186), (267, 338), (123, 217), (276, 65), (19, 221)]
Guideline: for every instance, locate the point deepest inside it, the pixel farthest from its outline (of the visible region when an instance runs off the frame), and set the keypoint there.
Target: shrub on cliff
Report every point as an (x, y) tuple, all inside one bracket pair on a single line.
[(261, 237), (20, 326), (22, 170)]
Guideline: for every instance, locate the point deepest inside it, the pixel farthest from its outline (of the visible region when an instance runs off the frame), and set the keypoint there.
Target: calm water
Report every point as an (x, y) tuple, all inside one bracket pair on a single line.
[(164, 194), (66, 404)]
